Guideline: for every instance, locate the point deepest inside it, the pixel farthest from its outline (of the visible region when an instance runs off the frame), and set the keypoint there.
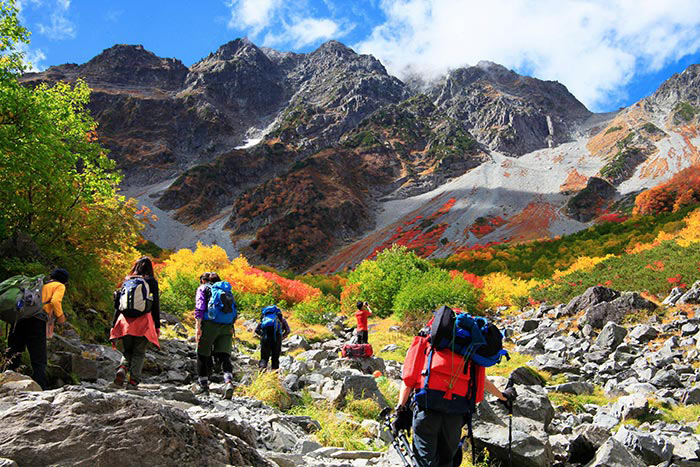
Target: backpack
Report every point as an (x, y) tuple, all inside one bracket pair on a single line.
[(357, 350), (134, 297), (473, 337), (20, 298), (270, 322), (222, 307)]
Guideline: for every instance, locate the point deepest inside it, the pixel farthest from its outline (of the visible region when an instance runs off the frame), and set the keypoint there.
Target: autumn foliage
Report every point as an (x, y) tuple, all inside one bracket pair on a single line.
[(683, 189)]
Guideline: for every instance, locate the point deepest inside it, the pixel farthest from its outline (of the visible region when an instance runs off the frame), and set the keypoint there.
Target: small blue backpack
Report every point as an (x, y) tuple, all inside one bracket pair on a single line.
[(222, 307), (270, 323)]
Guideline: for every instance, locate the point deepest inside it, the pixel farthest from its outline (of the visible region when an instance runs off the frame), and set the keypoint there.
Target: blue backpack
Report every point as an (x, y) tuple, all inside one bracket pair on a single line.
[(222, 307), (270, 323)]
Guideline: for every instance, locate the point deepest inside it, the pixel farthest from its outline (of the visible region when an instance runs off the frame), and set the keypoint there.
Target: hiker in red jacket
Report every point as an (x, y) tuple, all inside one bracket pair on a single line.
[(362, 313)]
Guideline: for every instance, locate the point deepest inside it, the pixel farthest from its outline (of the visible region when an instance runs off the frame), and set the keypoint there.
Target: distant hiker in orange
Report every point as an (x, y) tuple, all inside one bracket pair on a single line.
[(362, 313), (136, 320), (31, 333)]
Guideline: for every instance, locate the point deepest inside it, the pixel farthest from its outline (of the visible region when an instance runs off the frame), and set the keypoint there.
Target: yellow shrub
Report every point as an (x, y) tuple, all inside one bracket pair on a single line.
[(691, 233), (582, 263), (501, 289)]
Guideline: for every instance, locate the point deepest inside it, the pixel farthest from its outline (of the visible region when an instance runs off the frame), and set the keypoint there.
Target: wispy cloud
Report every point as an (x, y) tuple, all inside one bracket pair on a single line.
[(59, 26), (594, 47), (290, 25), (34, 57)]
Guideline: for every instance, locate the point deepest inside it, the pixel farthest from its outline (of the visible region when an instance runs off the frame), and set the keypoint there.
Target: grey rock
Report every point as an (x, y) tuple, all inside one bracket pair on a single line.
[(526, 376), (585, 442), (689, 329), (632, 406), (306, 446), (651, 449), (7, 462), (611, 336), (673, 296), (355, 455), (529, 325), (692, 296), (297, 342), (574, 387), (592, 296), (141, 431), (530, 448), (643, 333), (692, 396), (666, 379), (614, 454), (616, 310), (533, 403), (363, 386)]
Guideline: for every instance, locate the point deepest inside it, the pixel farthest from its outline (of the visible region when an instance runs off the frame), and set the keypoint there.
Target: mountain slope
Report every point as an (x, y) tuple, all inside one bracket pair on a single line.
[(324, 158)]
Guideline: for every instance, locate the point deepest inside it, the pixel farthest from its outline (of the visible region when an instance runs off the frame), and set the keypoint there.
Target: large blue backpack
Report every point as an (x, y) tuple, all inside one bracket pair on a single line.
[(270, 322), (222, 307)]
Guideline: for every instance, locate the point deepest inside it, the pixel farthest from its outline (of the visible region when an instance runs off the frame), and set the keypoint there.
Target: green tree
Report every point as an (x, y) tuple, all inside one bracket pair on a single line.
[(381, 279), (11, 34)]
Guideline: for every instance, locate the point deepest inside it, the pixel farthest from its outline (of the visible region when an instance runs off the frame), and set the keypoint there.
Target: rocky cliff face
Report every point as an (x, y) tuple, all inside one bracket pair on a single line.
[(300, 154)]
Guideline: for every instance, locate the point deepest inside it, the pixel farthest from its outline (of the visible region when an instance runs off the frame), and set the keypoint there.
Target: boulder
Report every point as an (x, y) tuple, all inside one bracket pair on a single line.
[(611, 336), (692, 296), (297, 342), (533, 403), (614, 454), (57, 426), (586, 441), (526, 376), (11, 381), (643, 333), (530, 446), (592, 296), (632, 406), (651, 449), (616, 310), (574, 387), (7, 462), (666, 379), (362, 387), (673, 296)]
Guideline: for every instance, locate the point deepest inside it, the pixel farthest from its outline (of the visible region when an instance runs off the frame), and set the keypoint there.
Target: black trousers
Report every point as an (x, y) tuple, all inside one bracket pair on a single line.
[(362, 337), (436, 437), (30, 333), (270, 350)]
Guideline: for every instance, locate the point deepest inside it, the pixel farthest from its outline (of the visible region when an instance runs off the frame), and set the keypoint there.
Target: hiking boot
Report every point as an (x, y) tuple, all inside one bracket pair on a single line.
[(119, 377), (200, 389), (132, 385), (228, 391)]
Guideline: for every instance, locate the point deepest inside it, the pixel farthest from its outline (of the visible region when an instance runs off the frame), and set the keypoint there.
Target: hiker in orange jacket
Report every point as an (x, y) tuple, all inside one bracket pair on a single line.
[(31, 333), (363, 312)]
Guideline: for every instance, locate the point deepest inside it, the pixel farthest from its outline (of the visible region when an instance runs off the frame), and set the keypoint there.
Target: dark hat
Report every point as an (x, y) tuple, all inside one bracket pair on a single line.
[(360, 305), (60, 275)]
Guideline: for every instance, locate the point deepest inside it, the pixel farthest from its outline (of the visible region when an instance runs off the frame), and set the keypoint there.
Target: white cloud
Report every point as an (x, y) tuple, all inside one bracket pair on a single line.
[(306, 31), (59, 27), (253, 14), (594, 47), (34, 57), (290, 25)]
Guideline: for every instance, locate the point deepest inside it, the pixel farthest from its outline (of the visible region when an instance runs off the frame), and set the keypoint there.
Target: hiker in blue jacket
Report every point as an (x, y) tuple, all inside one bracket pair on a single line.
[(273, 328)]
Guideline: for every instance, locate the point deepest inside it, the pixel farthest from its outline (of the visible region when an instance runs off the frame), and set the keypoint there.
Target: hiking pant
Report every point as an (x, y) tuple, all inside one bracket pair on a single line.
[(362, 337), (270, 349), (134, 355), (216, 338), (436, 437), (29, 333), (205, 364)]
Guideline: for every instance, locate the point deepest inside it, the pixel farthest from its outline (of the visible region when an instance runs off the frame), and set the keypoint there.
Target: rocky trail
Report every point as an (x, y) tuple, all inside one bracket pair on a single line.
[(617, 383)]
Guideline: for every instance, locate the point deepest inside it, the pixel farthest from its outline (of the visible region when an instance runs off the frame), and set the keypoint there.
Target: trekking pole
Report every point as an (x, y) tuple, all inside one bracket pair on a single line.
[(510, 436), (399, 441)]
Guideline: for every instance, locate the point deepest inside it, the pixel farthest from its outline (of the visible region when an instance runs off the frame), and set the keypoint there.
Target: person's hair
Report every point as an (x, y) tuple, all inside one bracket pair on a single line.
[(59, 275), (214, 277), (143, 267), (360, 305), (204, 277)]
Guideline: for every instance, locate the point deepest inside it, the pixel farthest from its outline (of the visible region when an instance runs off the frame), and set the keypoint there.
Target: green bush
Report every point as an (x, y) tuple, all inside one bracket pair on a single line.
[(381, 279), (249, 304), (178, 297), (318, 310), (430, 290)]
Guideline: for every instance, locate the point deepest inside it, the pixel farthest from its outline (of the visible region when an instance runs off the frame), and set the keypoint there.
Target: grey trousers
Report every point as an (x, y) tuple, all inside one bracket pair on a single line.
[(134, 355)]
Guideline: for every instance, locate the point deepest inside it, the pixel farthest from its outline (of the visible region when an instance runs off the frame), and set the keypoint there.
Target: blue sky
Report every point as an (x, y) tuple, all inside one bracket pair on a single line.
[(609, 53)]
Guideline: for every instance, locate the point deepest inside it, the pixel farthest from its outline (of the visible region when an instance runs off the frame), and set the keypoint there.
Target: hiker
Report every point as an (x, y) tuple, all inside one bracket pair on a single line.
[(446, 389), (272, 329), (32, 332), (136, 320), (363, 312), (215, 316)]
